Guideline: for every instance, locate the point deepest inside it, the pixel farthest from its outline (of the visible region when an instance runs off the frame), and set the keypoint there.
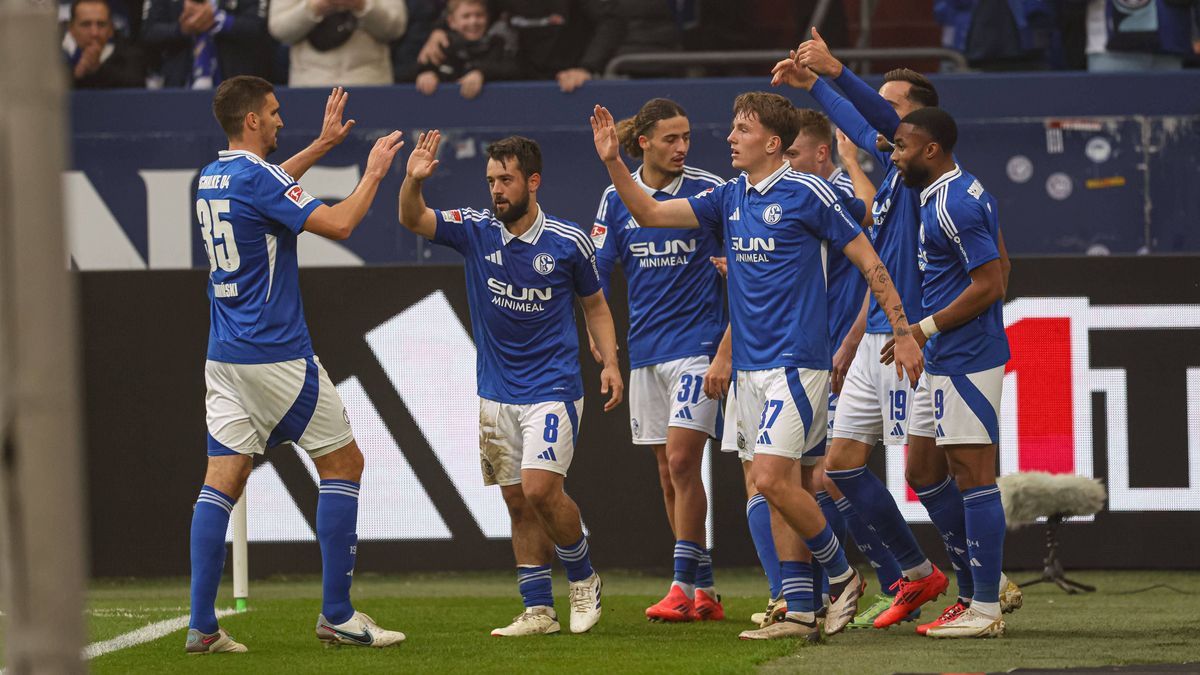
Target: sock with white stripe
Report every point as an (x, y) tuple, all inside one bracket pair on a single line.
[(758, 516), (985, 541), (337, 531), (575, 558), (704, 572), (878, 509), (944, 503), (536, 586), (210, 521), (887, 570), (798, 589), (687, 559), (826, 550)]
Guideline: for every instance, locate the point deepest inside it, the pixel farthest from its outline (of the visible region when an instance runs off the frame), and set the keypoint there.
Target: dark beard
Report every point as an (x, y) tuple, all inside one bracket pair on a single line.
[(515, 211), (915, 177)]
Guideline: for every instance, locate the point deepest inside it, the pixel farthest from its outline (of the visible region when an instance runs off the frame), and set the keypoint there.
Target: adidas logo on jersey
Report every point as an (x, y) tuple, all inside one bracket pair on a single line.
[(897, 430), (737, 214), (684, 413), (548, 455), (495, 258)]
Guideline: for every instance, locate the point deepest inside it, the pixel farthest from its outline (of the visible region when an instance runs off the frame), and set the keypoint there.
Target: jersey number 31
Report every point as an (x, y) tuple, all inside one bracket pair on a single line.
[(218, 235)]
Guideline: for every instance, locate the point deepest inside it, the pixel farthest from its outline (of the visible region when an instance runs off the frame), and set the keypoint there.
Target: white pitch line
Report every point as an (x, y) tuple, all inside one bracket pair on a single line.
[(147, 633)]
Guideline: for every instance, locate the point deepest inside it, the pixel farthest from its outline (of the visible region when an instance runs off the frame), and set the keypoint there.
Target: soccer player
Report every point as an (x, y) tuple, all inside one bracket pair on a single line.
[(676, 320), (873, 404), (265, 386), (776, 224), (524, 269), (957, 402)]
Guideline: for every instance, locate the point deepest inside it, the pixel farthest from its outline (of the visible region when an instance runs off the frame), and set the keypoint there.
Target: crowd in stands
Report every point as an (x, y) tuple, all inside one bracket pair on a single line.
[(466, 43)]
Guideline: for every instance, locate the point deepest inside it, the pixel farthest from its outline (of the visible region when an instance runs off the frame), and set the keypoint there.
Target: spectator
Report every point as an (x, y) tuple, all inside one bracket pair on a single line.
[(1125, 35), (474, 53), (569, 41), (98, 60), (123, 21), (998, 35), (423, 17), (201, 43), (338, 42)]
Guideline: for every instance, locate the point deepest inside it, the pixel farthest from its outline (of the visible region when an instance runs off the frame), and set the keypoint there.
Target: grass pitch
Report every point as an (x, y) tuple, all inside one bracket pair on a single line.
[(448, 616)]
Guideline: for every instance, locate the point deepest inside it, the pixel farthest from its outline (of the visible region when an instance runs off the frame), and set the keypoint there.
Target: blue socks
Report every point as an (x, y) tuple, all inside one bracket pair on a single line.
[(985, 540), (798, 586), (833, 516), (687, 558), (535, 585), (827, 551), (210, 521), (704, 571), (877, 508), (887, 570), (337, 531), (944, 503), (758, 516), (575, 559)]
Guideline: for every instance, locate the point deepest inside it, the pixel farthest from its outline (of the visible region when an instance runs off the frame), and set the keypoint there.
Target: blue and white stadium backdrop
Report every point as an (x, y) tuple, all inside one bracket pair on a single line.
[(1104, 381)]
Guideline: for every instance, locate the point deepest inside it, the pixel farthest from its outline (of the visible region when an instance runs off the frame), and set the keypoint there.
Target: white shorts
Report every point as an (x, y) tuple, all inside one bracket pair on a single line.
[(670, 394), (252, 407), (874, 403), (958, 409), (732, 438), (787, 407), (516, 436)]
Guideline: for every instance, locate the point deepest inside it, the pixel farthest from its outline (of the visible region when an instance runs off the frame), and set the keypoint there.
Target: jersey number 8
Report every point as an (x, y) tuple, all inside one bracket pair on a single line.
[(218, 235)]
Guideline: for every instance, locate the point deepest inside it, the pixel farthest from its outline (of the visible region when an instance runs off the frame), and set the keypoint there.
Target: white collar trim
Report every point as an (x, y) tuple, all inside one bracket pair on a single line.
[(672, 188), (530, 236), (941, 182), (765, 184)]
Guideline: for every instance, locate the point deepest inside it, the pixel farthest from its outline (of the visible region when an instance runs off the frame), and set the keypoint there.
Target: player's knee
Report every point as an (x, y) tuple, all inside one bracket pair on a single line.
[(826, 483), (919, 476), (841, 456), (541, 494), (683, 464)]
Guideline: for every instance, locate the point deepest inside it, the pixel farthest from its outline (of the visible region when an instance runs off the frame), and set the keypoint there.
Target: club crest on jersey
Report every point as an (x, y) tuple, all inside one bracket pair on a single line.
[(543, 263), (298, 196), (454, 216), (772, 214), (599, 235)]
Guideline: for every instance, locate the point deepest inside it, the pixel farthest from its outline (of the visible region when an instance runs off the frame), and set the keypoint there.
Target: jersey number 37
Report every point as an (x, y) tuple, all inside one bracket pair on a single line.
[(218, 235)]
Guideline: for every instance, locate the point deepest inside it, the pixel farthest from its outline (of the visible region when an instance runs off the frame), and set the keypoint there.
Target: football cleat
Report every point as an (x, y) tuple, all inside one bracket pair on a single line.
[(212, 643), (1011, 597), (540, 620), (585, 603), (676, 607), (776, 609), (910, 595), (360, 631), (785, 628), (969, 624), (708, 607), (949, 614), (843, 602)]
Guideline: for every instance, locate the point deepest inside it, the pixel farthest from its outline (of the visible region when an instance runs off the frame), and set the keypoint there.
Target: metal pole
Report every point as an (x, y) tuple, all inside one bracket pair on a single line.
[(241, 564), (41, 479)]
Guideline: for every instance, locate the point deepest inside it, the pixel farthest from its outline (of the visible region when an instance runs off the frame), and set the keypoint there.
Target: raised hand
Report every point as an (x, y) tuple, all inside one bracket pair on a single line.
[(846, 150), (816, 55), (604, 133), (333, 131), (380, 159), (790, 72), (423, 159)]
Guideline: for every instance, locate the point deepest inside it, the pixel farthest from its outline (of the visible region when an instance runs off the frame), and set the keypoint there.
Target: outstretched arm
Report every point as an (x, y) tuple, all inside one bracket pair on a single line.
[(339, 221), (645, 209), (840, 111), (602, 331), (909, 360), (332, 133), (414, 214), (878, 112), (864, 189)]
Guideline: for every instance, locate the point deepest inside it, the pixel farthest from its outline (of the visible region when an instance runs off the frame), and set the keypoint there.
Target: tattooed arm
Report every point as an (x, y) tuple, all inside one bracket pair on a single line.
[(907, 352)]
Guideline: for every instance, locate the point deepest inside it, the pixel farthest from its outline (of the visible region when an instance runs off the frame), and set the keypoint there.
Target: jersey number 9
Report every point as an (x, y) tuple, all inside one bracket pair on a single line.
[(217, 235)]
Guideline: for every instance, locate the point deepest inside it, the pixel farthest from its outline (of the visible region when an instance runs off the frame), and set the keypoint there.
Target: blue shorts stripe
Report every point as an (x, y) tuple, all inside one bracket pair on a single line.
[(979, 404), (291, 427), (573, 415), (800, 398), (218, 449)]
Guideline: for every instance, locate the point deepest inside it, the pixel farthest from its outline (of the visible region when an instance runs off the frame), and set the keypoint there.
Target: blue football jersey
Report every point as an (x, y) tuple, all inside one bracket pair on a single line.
[(676, 303), (896, 217), (777, 235), (959, 232), (250, 213), (846, 282), (522, 293)]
